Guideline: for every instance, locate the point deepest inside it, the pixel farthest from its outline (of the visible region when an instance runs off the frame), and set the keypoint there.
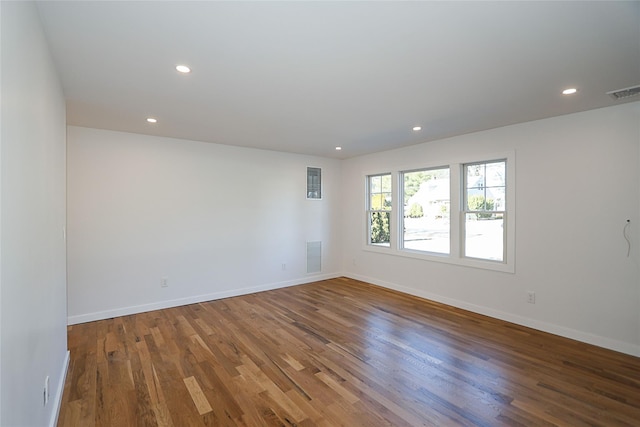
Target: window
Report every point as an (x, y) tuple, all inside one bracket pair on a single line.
[(314, 183), (379, 210), (426, 219), (484, 210), (461, 212)]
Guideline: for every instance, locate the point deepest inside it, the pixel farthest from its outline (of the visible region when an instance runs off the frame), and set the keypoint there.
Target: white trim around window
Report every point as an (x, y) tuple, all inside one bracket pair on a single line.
[(456, 212)]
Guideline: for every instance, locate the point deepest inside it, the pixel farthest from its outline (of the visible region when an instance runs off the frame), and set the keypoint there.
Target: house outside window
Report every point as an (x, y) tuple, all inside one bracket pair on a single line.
[(426, 220)]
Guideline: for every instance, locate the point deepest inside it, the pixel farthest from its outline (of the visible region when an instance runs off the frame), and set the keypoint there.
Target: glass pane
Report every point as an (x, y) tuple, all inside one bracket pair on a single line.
[(426, 210), (380, 233), (484, 237), (412, 181), (496, 199), (375, 185), (475, 176), (387, 201), (476, 199), (386, 183), (376, 202), (426, 237), (495, 174)]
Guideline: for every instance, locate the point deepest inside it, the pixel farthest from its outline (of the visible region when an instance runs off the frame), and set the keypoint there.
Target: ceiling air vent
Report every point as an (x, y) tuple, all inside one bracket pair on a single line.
[(625, 93)]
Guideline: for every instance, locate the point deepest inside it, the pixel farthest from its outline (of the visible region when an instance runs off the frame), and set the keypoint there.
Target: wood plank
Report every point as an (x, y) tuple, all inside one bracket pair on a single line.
[(199, 399)]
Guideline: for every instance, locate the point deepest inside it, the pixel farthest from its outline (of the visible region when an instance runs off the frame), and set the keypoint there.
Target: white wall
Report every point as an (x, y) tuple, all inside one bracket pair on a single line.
[(32, 257), (218, 220), (214, 220), (577, 182)]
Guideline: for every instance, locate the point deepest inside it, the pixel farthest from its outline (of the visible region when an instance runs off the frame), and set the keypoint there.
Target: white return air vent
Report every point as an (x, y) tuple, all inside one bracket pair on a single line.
[(625, 93), (314, 257)]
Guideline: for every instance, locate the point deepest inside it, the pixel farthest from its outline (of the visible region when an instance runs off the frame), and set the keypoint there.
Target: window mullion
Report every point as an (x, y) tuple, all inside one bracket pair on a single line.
[(456, 200)]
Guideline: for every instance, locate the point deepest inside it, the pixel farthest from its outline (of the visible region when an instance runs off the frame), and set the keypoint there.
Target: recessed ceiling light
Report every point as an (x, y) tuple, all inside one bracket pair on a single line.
[(569, 91), (338, 148), (152, 120), (183, 69), (417, 128)]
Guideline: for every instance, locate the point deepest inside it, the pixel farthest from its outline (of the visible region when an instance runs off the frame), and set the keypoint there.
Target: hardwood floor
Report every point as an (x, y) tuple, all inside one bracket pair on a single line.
[(338, 353)]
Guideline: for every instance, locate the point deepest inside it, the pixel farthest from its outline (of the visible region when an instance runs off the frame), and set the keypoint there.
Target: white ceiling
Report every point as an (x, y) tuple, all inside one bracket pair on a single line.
[(305, 77)]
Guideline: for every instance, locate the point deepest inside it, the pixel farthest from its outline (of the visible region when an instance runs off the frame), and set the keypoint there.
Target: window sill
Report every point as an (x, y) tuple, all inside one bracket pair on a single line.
[(443, 258)]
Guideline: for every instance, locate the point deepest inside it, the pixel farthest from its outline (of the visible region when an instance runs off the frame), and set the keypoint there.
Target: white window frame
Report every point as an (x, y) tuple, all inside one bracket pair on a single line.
[(465, 211), (456, 233), (369, 211)]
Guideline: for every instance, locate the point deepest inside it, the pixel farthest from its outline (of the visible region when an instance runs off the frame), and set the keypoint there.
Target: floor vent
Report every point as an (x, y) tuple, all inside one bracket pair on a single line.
[(314, 257), (625, 93)]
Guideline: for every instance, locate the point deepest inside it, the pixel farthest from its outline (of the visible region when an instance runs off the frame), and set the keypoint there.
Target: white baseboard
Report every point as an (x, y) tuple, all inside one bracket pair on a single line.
[(57, 398), (600, 341), (597, 340), (125, 311)]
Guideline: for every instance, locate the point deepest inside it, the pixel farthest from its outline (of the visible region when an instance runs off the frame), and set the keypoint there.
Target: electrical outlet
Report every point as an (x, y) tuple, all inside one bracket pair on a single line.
[(531, 297), (164, 282), (284, 267), (45, 392)]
